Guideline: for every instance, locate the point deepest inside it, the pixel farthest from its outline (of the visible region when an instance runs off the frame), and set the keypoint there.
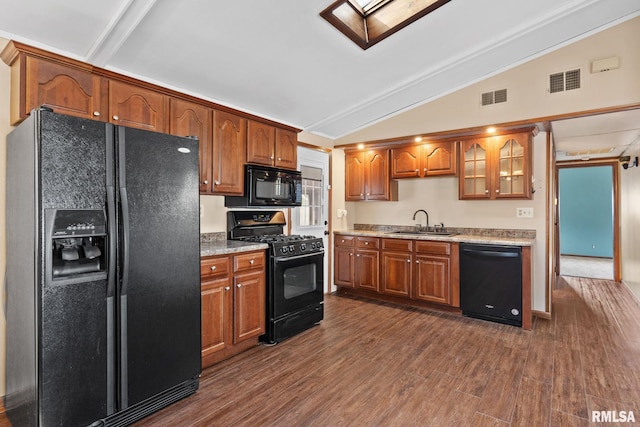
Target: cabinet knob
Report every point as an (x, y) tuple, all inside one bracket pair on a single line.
[(417, 170), (227, 288), (368, 194), (116, 118), (96, 113), (251, 261), (358, 255), (408, 260), (361, 194), (417, 262), (216, 182), (497, 191), (350, 254), (279, 158), (239, 285), (271, 157), (425, 169), (486, 191), (366, 243), (205, 182), (213, 268)]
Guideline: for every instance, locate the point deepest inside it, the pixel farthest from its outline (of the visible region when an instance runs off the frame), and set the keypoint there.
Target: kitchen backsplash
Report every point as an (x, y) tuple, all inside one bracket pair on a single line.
[(211, 237)]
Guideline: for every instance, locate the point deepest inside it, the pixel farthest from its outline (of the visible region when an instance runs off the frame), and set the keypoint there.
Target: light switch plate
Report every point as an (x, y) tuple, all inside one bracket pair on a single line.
[(524, 212)]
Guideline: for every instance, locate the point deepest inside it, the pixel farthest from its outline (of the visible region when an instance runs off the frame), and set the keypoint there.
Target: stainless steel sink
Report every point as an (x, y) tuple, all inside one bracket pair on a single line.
[(425, 233)]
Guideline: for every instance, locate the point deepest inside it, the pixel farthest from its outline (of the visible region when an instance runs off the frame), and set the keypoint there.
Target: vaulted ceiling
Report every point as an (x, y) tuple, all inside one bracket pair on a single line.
[(281, 60)]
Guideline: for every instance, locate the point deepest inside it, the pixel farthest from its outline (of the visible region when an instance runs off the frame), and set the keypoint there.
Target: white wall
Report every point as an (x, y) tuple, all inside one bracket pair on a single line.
[(5, 81)]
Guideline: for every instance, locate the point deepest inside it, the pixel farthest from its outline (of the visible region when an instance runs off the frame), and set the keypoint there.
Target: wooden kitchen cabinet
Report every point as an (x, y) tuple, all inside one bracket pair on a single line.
[(419, 161), (397, 263), (367, 176), (432, 272), (135, 106), (357, 262), (191, 119), (233, 293), (65, 89), (496, 167), (229, 152), (271, 146)]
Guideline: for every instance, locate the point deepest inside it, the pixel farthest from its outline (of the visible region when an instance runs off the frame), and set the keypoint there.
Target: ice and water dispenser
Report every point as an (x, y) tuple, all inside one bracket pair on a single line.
[(77, 242)]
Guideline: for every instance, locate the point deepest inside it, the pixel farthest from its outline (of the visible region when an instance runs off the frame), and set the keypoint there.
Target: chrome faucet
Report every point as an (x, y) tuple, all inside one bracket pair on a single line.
[(425, 212)]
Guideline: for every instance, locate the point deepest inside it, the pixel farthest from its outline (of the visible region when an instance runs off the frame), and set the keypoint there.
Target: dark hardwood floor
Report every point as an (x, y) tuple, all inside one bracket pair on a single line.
[(371, 364)]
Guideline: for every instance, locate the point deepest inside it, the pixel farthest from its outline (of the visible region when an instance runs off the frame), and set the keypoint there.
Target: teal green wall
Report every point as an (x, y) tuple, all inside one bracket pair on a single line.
[(586, 211)]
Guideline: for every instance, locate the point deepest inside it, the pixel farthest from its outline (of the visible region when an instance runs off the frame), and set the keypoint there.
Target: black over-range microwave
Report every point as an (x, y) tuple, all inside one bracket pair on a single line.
[(266, 186)]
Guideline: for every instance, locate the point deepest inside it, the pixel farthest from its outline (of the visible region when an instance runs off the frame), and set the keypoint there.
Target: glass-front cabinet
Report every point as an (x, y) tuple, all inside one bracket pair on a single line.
[(496, 167)]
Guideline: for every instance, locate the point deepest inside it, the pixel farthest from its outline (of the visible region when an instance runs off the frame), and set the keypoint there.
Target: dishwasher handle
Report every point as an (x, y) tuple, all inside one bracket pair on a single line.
[(490, 254)]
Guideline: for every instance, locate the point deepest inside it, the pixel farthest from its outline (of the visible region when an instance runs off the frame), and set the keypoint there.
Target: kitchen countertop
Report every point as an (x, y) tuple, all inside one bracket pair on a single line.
[(460, 238), (225, 247)]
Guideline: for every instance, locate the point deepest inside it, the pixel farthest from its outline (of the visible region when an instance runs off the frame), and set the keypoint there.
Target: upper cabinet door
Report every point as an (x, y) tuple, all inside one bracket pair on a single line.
[(512, 177), (377, 175), (66, 90), (439, 158), (475, 179), (354, 176), (260, 143), (405, 162), (137, 107), (189, 119), (229, 152), (286, 149)]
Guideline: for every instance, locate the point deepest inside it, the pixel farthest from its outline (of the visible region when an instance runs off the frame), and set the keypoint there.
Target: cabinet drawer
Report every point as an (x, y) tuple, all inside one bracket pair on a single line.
[(342, 240), (368, 242), (214, 266), (397, 245), (248, 261), (433, 247)]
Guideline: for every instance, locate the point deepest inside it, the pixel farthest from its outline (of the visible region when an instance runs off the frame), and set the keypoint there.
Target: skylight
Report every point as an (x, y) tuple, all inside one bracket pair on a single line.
[(366, 22)]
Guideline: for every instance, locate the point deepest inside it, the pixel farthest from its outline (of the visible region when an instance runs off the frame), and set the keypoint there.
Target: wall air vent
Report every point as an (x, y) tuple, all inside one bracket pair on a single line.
[(495, 97), (561, 82)]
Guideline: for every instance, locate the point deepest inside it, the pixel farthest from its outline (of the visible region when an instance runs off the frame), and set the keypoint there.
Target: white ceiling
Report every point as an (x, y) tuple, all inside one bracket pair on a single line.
[(281, 60)]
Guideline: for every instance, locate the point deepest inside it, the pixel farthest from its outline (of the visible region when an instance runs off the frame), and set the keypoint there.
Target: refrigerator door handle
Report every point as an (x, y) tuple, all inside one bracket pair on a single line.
[(124, 205), (112, 233)]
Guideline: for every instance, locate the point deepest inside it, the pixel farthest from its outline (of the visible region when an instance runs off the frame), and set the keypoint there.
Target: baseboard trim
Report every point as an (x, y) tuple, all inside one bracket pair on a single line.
[(637, 297), (2, 409), (541, 314)]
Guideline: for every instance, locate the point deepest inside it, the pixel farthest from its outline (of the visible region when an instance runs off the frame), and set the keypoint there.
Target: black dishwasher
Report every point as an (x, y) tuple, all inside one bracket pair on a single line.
[(491, 282)]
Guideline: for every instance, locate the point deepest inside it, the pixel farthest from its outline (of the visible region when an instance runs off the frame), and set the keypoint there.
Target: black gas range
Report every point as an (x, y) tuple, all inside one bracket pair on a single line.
[(295, 272)]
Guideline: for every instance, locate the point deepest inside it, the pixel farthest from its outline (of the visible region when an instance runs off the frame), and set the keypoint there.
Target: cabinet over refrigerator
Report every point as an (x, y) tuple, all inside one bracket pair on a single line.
[(103, 272)]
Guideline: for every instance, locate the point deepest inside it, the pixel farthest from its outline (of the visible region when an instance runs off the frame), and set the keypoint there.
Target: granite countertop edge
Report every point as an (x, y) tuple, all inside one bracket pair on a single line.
[(460, 238), (225, 247)]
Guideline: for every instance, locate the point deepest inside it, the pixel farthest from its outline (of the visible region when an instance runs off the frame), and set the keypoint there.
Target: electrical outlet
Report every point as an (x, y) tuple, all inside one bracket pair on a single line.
[(524, 212)]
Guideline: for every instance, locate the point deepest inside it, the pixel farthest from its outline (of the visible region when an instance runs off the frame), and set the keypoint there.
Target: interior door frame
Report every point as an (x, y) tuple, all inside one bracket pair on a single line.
[(614, 164), (328, 250)]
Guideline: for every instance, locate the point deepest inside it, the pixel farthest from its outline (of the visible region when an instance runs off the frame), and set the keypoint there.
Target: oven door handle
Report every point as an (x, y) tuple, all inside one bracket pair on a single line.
[(293, 258)]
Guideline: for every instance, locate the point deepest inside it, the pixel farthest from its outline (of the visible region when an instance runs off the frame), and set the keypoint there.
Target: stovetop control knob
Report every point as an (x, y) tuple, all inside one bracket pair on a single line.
[(284, 249), (303, 247), (292, 248)]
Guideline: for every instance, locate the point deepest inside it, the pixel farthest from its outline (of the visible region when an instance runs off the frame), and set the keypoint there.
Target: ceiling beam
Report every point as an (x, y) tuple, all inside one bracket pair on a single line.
[(118, 30)]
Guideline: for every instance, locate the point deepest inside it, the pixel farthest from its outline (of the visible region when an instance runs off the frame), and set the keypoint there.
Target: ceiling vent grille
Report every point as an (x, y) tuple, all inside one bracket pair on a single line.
[(494, 97), (561, 82)]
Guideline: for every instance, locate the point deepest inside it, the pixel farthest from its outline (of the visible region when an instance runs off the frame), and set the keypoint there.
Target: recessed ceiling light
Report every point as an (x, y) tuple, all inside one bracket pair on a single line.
[(360, 146), (418, 139), (491, 129)]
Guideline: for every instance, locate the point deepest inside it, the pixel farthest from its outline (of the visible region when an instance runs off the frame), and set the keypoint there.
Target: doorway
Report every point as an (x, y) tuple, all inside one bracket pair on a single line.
[(312, 218), (588, 220)]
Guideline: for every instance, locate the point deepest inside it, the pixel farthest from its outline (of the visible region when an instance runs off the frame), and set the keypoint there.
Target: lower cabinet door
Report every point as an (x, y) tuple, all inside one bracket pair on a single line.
[(217, 315), (432, 279), (367, 270), (250, 305), (396, 273)]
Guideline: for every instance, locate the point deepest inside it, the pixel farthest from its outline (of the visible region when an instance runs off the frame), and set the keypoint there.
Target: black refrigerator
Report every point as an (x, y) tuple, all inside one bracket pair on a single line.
[(103, 272)]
